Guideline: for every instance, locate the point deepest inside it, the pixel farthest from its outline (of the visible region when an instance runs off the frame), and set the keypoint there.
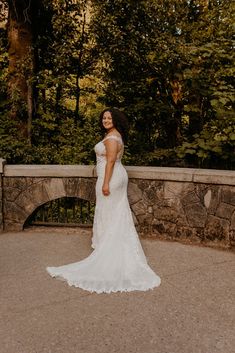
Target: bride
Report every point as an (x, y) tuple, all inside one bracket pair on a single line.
[(117, 262)]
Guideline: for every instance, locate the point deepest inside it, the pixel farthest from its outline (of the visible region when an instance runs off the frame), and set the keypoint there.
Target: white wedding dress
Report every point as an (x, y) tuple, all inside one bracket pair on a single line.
[(117, 262)]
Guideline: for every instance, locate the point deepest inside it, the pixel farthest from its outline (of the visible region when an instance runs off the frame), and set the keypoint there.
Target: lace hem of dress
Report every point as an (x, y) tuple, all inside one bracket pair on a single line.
[(87, 285)]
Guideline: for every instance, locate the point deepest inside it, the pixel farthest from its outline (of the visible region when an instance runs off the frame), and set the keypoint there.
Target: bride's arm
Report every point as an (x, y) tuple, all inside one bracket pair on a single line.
[(111, 156)]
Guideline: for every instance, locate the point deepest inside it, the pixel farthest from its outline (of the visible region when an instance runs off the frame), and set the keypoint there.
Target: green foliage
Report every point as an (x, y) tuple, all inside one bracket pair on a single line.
[(171, 68), (65, 54), (214, 147), (66, 144), (167, 63)]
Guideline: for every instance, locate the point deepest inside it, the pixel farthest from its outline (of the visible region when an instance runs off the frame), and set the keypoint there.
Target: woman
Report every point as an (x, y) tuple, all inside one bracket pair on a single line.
[(118, 262)]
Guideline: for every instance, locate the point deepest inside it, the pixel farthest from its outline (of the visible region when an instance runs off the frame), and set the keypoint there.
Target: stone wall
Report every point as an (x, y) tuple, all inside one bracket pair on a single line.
[(1, 204), (189, 212), (2, 162), (22, 195), (187, 205)]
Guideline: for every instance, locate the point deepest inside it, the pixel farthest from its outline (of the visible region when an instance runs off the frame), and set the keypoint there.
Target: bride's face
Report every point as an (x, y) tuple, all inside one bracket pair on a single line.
[(107, 120)]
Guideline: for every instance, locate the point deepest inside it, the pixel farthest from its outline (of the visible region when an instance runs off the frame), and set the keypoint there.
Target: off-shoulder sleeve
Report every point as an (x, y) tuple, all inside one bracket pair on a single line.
[(114, 137)]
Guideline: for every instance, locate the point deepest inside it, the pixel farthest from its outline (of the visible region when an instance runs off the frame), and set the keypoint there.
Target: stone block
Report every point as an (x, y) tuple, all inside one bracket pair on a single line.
[(139, 208), (232, 239), (25, 202), (86, 189), (14, 213), (212, 176), (38, 194), (160, 173), (201, 189), (177, 189), (145, 184), (2, 164), (188, 233), (153, 193), (144, 219), (1, 204), (28, 181), (55, 188), (13, 226), (1, 216), (164, 229), (184, 232), (170, 214), (199, 232), (71, 186), (215, 199), (196, 214), (134, 193), (32, 197), (225, 211), (49, 170), (145, 231), (190, 198), (11, 193), (13, 187), (233, 221), (216, 229), (207, 198), (16, 183), (228, 195), (92, 196)]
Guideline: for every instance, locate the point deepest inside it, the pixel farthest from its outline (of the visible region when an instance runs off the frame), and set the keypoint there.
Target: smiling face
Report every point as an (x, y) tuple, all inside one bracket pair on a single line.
[(107, 120)]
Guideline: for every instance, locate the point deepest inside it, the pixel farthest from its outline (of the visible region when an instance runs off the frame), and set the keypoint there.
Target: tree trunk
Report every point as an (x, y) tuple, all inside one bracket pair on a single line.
[(30, 112), (79, 71), (58, 97), (76, 112), (21, 62), (172, 128)]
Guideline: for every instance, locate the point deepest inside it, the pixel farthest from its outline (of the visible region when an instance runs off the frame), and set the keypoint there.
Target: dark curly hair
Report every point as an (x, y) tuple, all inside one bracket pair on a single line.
[(120, 122)]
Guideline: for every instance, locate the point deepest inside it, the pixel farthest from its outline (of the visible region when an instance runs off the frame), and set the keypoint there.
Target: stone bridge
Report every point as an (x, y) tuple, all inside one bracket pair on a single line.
[(188, 205)]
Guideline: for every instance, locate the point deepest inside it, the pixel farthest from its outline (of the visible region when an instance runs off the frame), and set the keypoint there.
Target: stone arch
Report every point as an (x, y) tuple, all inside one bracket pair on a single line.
[(34, 193), (73, 209)]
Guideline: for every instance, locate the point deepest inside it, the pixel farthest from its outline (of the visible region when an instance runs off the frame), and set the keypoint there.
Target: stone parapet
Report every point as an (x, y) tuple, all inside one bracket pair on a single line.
[(180, 204), (1, 204), (57, 171), (2, 163), (206, 176), (184, 211), (22, 195)]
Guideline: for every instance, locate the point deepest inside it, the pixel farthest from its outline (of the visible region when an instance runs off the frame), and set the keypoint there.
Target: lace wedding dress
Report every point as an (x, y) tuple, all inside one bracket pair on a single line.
[(117, 262)]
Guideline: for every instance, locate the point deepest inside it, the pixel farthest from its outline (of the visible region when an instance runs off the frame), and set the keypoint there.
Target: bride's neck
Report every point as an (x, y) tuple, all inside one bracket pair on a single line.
[(112, 129)]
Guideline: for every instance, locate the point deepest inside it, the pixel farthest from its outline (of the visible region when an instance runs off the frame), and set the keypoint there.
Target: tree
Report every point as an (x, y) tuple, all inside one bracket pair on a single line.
[(22, 27), (70, 53), (60, 52), (166, 61)]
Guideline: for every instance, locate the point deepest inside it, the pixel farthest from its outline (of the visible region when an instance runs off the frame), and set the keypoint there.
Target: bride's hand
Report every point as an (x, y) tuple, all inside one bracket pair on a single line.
[(105, 189)]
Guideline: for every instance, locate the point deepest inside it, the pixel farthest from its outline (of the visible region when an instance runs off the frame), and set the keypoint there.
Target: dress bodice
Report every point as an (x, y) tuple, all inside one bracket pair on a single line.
[(100, 148)]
